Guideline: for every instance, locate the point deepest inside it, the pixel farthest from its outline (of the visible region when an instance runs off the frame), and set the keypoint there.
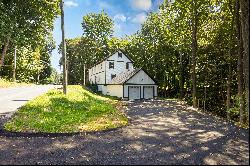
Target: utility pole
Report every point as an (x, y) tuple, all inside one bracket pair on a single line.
[(84, 77), (65, 82), (14, 67)]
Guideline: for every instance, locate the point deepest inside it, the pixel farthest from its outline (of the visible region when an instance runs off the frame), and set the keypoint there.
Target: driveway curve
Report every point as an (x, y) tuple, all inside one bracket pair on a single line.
[(160, 132)]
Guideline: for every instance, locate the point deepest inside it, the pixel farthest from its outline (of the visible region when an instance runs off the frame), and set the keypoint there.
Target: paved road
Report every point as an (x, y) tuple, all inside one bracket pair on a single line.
[(160, 132), (12, 98)]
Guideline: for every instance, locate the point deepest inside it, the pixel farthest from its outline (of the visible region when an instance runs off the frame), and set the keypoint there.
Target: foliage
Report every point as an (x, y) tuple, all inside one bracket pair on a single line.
[(79, 111), (5, 83), (181, 37), (26, 22), (27, 25), (28, 65)]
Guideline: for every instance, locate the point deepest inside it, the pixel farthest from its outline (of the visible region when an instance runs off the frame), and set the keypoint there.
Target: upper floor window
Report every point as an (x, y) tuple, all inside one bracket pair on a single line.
[(111, 65), (127, 65), (113, 76), (119, 55)]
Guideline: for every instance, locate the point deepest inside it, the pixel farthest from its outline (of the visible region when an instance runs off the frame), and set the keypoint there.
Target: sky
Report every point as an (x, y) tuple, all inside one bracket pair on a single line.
[(128, 15)]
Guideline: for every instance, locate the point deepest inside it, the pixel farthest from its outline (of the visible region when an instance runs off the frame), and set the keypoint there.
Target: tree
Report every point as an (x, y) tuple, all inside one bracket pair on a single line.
[(244, 5), (25, 22), (98, 29), (240, 60), (46, 52)]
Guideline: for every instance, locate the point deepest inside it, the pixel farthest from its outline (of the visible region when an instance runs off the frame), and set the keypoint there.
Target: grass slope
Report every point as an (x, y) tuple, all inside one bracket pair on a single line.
[(6, 84), (78, 111)]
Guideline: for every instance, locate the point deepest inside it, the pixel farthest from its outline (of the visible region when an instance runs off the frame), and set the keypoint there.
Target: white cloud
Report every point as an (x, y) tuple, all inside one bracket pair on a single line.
[(117, 27), (141, 4), (70, 4), (120, 17), (139, 18)]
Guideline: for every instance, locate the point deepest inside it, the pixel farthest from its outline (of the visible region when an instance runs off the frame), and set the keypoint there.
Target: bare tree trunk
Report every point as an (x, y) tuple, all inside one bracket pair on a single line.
[(229, 81), (229, 91), (194, 52), (240, 62), (244, 5), (181, 77), (14, 66), (4, 51), (65, 79), (84, 73), (205, 98)]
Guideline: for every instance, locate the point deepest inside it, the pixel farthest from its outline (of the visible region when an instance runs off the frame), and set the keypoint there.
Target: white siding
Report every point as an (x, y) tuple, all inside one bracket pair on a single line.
[(104, 90), (140, 78), (119, 65), (97, 73), (115, 90)]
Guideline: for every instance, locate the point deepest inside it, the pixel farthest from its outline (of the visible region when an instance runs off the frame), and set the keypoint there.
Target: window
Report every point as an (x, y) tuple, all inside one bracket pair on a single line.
[(113, 76), (101, 66), (111, 65), (127, 65), (119, 55)]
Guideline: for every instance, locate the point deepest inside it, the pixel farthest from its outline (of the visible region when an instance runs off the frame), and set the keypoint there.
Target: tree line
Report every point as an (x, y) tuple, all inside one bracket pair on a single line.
[(26, 28), (196, 50)]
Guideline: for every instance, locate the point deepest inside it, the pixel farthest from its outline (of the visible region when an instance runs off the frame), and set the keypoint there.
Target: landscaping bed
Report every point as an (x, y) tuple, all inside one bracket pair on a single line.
[(78, 111)]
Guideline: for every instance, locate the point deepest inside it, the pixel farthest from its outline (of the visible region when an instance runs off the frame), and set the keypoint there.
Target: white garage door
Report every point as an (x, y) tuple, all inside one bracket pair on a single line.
[(148, 92), (134, 92)]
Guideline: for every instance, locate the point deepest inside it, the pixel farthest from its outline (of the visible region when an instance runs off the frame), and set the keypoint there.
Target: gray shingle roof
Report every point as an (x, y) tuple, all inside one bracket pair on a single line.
[(123, 77)]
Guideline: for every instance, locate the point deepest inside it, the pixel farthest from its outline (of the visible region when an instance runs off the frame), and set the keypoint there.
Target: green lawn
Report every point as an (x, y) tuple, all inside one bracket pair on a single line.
[(79, 111), (6, 84)]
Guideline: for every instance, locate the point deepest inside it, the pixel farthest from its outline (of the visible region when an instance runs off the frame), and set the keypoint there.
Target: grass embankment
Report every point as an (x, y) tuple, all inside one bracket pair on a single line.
[(78, 111), (6, 84)]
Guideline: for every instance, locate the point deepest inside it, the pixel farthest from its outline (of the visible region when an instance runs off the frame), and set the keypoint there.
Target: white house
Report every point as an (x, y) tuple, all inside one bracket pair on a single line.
[(116, 76)]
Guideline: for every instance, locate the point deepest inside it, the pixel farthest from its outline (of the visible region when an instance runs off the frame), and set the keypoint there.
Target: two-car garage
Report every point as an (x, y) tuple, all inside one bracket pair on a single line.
[(136, 84), (141, 92)]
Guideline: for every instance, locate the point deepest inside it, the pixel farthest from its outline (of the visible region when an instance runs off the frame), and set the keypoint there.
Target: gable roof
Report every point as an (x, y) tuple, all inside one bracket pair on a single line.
[(118, 50), (123, 77), (127, 75)]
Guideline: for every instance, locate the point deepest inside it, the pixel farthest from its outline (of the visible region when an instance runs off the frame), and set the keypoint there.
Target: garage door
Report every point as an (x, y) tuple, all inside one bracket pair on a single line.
[(134, 92), (148, 92)]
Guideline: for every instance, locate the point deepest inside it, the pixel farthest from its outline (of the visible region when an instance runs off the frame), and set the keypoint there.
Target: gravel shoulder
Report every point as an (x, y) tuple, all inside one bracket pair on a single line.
[(160, 132)]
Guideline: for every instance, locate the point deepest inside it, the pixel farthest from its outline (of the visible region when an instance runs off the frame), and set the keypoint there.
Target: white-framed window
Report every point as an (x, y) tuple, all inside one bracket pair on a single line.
[(119, 55), (111, 65), (113, 76)]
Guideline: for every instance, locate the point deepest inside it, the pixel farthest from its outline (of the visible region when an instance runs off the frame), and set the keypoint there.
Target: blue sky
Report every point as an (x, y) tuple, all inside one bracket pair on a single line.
[(128, 15)]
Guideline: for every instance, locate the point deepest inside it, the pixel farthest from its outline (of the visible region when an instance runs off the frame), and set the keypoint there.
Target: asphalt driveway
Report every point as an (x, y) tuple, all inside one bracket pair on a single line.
[(12, 98), (160, 132)]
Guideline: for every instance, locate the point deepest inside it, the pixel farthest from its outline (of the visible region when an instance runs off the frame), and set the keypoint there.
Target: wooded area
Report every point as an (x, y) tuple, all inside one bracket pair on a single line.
[(197, 50), (27, 26)]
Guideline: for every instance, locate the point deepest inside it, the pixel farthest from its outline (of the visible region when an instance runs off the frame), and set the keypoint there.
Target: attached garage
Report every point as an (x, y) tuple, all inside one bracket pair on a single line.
[(135, 84), (134, 92), (148, 92)]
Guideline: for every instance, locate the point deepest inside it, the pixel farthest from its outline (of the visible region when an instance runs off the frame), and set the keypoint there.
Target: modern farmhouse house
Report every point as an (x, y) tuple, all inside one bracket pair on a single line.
[(116, 76)]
